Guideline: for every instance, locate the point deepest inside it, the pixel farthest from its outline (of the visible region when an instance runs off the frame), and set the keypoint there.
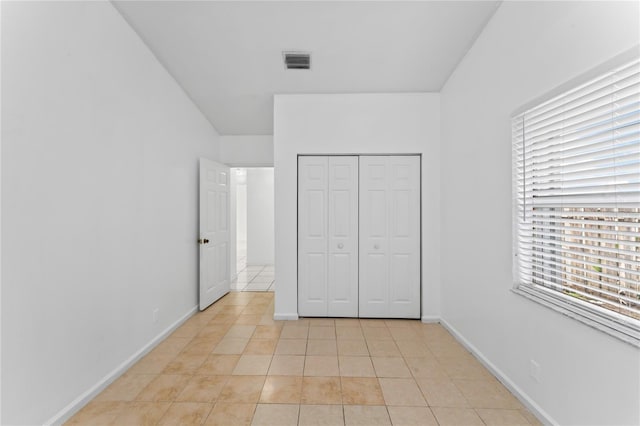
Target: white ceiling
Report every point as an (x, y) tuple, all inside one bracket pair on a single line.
[(228, 55)]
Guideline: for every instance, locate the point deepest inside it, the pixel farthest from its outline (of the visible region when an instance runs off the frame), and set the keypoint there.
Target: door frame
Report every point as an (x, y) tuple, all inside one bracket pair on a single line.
[(420, 199)]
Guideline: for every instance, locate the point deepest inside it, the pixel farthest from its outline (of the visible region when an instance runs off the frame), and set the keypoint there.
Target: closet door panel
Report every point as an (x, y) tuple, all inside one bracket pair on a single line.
[(374, 267), (404, 236), (312, 235), (343, 237), (390, 236)]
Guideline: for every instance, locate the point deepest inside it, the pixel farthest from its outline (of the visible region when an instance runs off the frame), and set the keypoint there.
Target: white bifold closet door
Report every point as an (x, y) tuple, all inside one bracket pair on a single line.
[(328, 236), (389, 237)]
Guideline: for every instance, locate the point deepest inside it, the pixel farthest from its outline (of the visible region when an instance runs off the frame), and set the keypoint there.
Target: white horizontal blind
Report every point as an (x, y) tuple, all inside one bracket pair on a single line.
[(577, 188)]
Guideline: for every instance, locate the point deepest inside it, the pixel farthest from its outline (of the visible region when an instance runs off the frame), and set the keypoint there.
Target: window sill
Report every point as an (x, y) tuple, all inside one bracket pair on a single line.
[(625, 332)]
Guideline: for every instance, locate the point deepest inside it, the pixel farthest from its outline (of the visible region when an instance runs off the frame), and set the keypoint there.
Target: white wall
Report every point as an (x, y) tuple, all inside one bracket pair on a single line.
[(241, 209), (247, 150), (99, 199), (526, 50), (260, 216), (354, 124)]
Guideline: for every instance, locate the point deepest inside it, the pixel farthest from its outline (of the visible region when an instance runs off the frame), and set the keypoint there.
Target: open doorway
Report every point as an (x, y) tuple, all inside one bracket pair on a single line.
[(254, 225)]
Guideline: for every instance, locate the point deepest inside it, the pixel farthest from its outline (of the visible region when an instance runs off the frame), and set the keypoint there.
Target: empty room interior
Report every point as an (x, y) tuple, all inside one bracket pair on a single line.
[(320, 213)]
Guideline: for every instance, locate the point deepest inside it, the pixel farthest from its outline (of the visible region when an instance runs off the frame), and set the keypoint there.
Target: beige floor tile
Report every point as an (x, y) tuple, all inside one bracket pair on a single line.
[(172, 345), (321, 365), (200, 345), (294, 332), (126, 388), (383, 348), (287, 365), (252, 365), (390, 367), (254, 310), (202, 389), (321, 322), (487, 394), (391, 323), (291, 347), (465, 367), (441, 393), (321, 415), (349, 333), (228, 414), (401, 392), (165, 387), (267, 332), (242, 389), (98, 413), (282, 390), (187, 330), (185, 363), (533, 420), (240, 331), (366, 415), (213, 331), (404, 333), (411, 416), (352, 348), (221, 365), (276, 415), (321, 347), (230, 346), (412, 348), (321, 390), (356, 366), (500, 417), (142, 413), (347, 322), (361, 391), (252, 320), (372, 323), (186, 414), (427, 367), (377, 333), (153, 363), (318, 332), (447, 416), (261, 347)]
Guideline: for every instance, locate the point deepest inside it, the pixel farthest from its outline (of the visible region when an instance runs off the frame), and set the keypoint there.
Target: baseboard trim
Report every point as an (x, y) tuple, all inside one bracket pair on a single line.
[(429, 319), (75, 406), (542, 415), (285, 317)]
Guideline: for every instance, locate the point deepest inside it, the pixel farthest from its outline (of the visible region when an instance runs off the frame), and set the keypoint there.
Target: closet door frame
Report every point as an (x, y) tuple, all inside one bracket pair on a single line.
[(325, 311)]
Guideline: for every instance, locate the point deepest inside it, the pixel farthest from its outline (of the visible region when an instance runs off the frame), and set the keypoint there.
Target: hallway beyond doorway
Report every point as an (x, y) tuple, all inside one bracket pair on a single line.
[(252, 277)]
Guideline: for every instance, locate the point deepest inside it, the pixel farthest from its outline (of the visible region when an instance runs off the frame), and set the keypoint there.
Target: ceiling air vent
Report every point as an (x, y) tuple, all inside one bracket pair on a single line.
[(297, 60)]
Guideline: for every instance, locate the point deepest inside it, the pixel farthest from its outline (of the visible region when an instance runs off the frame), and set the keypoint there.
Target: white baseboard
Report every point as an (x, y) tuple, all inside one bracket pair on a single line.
[(503, 378), (428, 319), (75, 406), (285, 317)]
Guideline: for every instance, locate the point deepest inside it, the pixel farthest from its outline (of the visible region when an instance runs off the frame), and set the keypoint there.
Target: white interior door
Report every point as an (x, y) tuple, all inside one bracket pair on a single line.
[(312, 235), (389, 248), (343, 237), (214, 232)]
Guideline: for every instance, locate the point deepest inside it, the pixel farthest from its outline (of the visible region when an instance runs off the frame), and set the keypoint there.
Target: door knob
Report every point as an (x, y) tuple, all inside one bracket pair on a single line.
[(203, 241), (340, 245)]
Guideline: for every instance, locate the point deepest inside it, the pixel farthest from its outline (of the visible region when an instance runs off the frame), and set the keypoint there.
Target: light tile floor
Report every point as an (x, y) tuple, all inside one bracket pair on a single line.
[(234, 365), (252, 277)]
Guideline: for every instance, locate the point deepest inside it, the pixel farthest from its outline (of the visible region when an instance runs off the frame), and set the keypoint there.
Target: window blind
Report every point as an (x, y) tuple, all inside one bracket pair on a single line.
[(577, 195)]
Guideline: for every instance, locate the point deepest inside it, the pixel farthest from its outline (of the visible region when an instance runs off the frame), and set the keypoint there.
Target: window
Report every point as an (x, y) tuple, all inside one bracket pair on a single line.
[(576, 171)]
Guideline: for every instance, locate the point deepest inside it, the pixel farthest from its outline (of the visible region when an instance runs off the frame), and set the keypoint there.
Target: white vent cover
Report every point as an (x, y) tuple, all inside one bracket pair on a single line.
[(297, 60)]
